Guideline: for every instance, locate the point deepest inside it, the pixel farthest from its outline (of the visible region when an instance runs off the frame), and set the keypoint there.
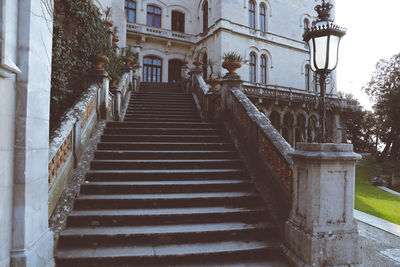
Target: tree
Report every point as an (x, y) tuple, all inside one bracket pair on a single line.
[(360, 127), (384, 90)]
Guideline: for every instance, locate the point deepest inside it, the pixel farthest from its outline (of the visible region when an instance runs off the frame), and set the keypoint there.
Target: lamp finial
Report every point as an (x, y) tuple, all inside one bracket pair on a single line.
[(324, 11)]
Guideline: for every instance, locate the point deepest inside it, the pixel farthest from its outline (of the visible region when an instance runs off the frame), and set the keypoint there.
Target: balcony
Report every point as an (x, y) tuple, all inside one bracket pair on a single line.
[(158, 32)]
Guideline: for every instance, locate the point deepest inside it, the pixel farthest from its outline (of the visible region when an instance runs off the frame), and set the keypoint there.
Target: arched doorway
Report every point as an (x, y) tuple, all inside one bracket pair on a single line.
[(205, 66), (152, 69), (275, 119), (301, 133), (174, 70), (287, 128)]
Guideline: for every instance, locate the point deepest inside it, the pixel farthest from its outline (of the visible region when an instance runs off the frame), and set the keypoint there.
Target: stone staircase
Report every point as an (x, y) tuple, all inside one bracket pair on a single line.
[(166, 189)]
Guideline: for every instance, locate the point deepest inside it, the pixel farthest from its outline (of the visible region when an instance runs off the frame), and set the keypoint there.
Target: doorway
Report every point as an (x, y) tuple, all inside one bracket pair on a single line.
[(174, 70)]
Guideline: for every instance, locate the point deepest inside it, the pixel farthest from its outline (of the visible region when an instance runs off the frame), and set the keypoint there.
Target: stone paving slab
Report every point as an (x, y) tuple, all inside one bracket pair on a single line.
[(380, 241)]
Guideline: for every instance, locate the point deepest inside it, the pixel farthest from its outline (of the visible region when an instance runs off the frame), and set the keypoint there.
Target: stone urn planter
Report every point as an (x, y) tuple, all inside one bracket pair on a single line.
[(114, 81), (214, 84), (197, 63), (108, 24), (128, 61), (115, 40), (231, 66), (99, 61)]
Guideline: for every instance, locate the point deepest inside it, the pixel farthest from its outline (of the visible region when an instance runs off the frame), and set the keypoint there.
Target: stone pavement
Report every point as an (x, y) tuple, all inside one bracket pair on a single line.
[(380, 240)]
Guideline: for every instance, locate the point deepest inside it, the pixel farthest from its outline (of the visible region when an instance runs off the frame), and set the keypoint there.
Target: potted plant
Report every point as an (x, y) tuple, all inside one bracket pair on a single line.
[(185, 61), (129, 57), (99, 61), (232, 61), (197, 61), (115, 70), (107, 18), (214, 78)]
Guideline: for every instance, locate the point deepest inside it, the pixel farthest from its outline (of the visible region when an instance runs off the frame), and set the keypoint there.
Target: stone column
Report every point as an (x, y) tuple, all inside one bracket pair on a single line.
[(321, 230), (101, 78), (229, 81), (32, 240)]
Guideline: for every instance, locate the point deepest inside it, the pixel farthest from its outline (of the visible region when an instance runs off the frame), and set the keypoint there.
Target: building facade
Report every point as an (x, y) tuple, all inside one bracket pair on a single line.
[(267, 33)]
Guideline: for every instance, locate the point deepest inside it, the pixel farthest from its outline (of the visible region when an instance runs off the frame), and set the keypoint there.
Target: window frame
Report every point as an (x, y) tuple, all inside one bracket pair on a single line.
[(151, 67), (205, 16), (154, 15), (176, 16), (129, 9), (253, 67), (252, 14), (263, 68), (263, 18)]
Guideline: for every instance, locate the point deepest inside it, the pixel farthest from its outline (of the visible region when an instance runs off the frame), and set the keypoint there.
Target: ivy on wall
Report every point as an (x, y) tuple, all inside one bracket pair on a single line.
[(78, 32)]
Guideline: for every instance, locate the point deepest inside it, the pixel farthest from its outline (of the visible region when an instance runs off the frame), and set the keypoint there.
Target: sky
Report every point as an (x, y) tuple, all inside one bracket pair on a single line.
[(372, 33)]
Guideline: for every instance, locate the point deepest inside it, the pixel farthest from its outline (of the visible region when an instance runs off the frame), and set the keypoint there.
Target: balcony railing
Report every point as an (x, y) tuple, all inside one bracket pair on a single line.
[(281, 93), (164, 33)]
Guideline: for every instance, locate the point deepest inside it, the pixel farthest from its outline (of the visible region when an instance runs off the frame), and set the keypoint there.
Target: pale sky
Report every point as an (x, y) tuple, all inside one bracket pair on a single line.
[(373, 32)]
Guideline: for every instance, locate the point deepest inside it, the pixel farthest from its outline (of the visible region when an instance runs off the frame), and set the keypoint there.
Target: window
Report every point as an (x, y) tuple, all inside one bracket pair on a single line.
[(130, 11), (205, 16), (263, 66), (252, 14), (262, 18), (178, 21), (152, 69), (252, 65), (306, 24), (307, 72), (154, 16)]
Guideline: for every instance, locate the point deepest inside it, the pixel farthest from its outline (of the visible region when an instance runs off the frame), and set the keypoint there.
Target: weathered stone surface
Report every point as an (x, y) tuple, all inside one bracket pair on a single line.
[(321, 229)]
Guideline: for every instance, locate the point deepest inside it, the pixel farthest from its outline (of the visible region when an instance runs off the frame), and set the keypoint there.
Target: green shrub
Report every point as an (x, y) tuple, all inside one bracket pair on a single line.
[(78, 33)]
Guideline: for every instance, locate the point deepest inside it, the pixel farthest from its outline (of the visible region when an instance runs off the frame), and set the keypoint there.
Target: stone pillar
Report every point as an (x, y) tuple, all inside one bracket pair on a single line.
[(32, 240), (100, 77), (229, 81), (321, 230)]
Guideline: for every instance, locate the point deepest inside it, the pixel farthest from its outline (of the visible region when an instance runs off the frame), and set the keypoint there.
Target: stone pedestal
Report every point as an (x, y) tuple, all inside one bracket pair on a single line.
[(321, 230)]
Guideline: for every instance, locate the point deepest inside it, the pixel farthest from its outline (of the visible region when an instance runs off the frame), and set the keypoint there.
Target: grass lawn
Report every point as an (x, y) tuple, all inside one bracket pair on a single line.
[(372, 200)]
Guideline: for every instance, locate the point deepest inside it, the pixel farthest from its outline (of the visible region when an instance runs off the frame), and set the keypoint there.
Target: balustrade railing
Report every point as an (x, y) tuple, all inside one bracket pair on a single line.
[(132, 27)]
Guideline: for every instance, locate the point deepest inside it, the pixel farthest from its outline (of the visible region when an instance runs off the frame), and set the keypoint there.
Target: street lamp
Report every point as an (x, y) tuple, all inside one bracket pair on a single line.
[(323, 40)]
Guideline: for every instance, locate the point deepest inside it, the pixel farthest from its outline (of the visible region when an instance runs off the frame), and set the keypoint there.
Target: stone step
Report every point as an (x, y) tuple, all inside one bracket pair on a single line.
[(141, 124), (148, 187), (165, 154), (160, 110), (163, 234), (163, 105), (164, 145), (168, 216), (157, 119), (163, 138), (162, 131), (161, 175), (164, 164), (175, 200), (169, 254), (183, 115)]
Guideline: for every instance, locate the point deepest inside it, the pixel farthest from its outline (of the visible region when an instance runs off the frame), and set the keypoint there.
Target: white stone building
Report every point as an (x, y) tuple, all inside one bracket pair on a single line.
[(267, 33)]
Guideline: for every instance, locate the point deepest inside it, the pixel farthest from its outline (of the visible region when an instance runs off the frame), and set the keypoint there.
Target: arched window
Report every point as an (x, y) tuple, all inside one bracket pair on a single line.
[(263, 21), (306, 24), (130, 11), (205, 16), (263, 67), (275, 119), (252, 65), (301, 133), (205, 66), (154, 16), (252, 14), (307, 74), (287, 128), (178, 21), (152, 69)]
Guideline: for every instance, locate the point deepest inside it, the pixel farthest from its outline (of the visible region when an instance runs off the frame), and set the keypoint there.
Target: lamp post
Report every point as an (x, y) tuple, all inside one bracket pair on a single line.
[(323, 40)]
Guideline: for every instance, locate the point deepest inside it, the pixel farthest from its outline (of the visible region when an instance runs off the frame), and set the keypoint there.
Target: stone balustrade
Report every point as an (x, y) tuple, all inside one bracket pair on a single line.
[(69, 139), (164, 33)]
